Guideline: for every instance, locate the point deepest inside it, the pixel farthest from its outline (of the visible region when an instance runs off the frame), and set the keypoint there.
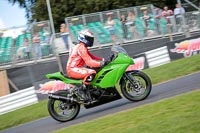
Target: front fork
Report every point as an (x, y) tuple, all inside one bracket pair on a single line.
[(133, 83), (130, 78)]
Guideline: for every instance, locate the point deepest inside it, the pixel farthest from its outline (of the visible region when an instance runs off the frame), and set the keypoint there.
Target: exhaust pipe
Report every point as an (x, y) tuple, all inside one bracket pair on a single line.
[(58, 97)]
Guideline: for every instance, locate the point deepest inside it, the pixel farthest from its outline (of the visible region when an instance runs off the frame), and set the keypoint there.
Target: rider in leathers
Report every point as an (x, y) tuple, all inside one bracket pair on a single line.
[(79, 56)]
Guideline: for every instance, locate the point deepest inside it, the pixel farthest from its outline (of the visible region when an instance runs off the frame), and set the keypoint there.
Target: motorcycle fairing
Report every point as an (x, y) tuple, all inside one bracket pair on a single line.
[(111, 73)]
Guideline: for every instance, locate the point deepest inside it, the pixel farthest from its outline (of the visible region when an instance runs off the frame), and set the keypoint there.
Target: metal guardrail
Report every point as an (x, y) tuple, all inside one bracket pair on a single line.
[(18, 100), (158, 56)]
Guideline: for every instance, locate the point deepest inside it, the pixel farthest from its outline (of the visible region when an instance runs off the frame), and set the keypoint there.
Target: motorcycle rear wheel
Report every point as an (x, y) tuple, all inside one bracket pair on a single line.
[(141, 88), (63, 110)]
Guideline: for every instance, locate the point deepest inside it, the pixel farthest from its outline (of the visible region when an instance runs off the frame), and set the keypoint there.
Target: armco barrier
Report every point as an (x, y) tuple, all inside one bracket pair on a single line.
[(18, 100), (157, 56)]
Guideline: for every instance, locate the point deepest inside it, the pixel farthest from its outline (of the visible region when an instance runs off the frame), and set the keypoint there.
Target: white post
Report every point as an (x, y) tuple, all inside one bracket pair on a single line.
[(53, 31), (50, 17)]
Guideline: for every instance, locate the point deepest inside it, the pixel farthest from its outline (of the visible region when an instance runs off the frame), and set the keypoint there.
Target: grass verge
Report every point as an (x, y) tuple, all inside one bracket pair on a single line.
[(179, 114), (24, 115), (174, 69), (159, 74)]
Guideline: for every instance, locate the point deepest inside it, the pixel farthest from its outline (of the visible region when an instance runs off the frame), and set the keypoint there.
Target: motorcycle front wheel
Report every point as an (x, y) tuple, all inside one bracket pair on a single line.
[(63, 110), (140, 87)]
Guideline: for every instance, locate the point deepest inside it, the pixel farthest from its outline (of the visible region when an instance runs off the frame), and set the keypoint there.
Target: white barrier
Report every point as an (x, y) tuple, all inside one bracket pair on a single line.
[(18, 100), (158, 57)]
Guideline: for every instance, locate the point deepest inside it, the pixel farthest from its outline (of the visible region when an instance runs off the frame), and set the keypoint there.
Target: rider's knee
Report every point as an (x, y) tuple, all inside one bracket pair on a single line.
[(88, 79)]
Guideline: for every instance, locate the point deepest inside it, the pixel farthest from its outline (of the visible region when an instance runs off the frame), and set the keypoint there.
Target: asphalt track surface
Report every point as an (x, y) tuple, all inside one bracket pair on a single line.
[(160, 91)]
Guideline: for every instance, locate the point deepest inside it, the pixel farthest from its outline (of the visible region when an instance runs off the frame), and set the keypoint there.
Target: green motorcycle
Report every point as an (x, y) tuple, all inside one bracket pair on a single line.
[(64, 105)]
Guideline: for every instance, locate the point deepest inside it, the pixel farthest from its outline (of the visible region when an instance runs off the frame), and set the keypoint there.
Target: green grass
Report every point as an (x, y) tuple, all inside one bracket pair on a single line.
[(179, 114), (159, 74), (174, 69), (24, 115)]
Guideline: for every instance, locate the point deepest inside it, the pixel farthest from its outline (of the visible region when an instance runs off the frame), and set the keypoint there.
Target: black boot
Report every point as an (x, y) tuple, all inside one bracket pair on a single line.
[(82, 92)]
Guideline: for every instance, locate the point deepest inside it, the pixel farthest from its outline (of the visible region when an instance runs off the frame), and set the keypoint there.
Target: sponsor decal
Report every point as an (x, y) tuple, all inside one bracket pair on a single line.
[(187, 47), (53, 86), (139, 64)]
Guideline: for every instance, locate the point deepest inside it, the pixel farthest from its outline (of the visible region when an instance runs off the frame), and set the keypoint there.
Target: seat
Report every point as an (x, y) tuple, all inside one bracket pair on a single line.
[(101, 33), (6, 45), (66, 76), (75, 30), (163, 25)]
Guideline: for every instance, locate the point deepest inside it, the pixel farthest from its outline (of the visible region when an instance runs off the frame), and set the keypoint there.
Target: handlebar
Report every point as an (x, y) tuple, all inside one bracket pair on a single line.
[(110, 58)]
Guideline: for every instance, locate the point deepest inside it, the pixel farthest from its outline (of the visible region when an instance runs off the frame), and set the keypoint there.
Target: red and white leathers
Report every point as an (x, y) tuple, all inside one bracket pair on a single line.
[(78, 57)]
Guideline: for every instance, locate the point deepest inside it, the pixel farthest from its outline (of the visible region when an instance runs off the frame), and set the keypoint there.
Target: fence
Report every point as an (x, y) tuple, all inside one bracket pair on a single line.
[(18, 100), (14, 49), (135, 27)]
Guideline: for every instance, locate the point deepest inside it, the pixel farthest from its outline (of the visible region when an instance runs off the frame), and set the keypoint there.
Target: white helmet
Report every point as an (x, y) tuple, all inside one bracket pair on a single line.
[(86, 36)]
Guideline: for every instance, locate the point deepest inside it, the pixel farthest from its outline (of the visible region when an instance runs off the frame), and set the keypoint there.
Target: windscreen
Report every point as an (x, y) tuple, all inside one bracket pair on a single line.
[(118, 49)]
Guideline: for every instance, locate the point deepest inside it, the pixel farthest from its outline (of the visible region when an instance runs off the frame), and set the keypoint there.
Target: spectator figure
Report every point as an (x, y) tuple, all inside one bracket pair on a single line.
[(124, 27), (131, 21), (27, 48), (146, 18), (110, 23), (167, 14), (157, 16), (37, 46), (1, 34), (47, 45), (167, 11), (178, 12), (47, 38), (64, 34)]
